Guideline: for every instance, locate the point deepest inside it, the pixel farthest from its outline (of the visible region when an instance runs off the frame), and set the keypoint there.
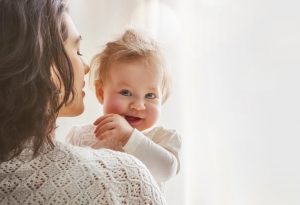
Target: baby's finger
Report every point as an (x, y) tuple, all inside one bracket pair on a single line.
[(102, 118), (108, 133), (105, 124), (103, 129), (99, 119)]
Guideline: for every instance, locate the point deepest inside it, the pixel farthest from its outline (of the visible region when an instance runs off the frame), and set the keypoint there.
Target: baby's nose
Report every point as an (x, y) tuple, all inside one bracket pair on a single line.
[(138, 105)]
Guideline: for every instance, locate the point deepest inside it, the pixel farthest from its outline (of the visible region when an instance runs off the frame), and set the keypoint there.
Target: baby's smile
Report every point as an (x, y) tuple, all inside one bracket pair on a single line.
[(132, 120)]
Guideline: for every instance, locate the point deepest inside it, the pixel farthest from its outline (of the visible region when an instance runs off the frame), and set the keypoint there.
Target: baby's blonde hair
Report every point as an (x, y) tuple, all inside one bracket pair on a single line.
[(132, 46)]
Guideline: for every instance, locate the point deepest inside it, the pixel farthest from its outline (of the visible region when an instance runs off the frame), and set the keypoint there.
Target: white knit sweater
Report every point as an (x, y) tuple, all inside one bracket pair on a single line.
[(72, 175)]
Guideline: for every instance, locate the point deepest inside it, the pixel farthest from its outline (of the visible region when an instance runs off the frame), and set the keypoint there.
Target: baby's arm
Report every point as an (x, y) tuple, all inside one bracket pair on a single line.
[(82, 136), (158, 151), (110, 131)]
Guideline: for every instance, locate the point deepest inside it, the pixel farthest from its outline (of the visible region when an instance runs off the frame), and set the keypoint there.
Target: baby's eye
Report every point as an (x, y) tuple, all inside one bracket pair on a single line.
[(79, 53), (125, 93), (150, 95)]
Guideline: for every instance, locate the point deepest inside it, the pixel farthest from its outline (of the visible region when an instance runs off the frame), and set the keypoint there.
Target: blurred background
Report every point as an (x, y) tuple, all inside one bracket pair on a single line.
[(235, 97)]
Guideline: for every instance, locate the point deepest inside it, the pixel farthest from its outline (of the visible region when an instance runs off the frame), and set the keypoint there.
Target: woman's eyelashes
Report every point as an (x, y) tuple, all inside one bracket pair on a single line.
[(79, 53)]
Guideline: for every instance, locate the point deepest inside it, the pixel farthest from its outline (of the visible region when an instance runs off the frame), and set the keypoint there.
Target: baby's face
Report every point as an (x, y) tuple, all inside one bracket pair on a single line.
[(134, 92)]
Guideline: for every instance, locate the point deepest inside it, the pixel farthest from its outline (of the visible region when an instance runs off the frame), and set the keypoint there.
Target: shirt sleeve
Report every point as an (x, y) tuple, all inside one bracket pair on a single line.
[(82, 136), (158, 150), (73, 137)]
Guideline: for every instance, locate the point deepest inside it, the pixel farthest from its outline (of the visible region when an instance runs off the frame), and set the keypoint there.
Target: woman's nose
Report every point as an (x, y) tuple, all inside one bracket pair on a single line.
[(86, 68)]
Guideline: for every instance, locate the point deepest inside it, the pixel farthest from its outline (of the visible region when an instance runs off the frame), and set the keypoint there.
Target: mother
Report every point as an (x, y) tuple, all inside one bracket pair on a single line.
[(41, 78)]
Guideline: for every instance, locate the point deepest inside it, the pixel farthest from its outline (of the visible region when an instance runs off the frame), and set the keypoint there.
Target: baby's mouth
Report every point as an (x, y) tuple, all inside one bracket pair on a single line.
[(132, 120)]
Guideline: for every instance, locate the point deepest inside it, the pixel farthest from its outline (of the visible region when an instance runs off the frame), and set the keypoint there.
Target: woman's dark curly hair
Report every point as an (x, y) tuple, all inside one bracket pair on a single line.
[(32, 36)]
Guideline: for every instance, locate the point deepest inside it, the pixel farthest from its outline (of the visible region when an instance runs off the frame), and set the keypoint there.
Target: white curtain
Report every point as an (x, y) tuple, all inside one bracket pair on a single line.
[(235, 98)]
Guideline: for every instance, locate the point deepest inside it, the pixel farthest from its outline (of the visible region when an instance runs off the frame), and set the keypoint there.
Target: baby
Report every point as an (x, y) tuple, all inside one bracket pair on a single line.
[(132, 83)]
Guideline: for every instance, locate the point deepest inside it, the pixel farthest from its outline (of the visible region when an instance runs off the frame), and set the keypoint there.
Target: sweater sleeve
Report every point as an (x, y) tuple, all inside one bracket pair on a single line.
[(158, 150)]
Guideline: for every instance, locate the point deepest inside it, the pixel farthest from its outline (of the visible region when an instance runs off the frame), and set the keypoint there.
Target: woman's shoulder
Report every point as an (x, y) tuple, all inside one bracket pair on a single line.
[(116, 171), (92, 156), (82, 175)]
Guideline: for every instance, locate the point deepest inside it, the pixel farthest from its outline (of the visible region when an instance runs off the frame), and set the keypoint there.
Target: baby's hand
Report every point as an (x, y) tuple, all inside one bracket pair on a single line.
[(108, 143), (113, 126)]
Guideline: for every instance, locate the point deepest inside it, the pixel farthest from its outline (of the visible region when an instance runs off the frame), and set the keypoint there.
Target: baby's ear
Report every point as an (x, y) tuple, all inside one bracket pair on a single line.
[(99, 91)]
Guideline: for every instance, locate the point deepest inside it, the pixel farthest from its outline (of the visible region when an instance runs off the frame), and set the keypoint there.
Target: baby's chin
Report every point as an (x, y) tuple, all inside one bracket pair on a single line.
[(137, 123), (142, 128)]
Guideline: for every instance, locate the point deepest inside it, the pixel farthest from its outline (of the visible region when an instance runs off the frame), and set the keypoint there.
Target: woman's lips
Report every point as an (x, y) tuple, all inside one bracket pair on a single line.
[(83, 93)]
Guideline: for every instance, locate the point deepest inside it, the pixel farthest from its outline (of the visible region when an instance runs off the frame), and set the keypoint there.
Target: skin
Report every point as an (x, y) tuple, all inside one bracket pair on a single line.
[(72, 47), (131, 98)]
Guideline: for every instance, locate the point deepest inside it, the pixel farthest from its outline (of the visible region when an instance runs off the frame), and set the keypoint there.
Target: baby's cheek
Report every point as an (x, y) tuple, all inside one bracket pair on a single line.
[(153, 114), (114, 106)]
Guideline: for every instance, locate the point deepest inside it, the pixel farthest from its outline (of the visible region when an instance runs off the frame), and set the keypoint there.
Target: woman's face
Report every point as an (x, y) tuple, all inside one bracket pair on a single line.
[(72, 47)]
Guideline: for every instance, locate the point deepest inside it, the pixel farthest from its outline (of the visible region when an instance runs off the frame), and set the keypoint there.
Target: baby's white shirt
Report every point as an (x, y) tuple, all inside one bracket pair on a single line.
[(158, 148)]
